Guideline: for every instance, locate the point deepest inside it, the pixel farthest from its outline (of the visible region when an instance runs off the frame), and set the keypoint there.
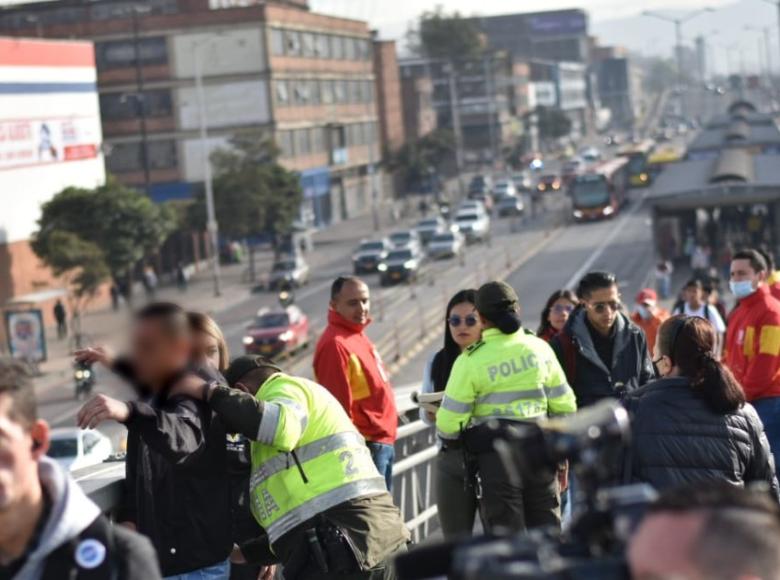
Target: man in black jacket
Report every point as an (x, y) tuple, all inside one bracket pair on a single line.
[(49, 529), (178, 468), (602, 352)]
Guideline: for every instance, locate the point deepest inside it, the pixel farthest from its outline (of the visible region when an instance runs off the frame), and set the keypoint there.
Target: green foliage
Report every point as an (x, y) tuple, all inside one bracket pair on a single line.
[(120, 223), (78, 261), (552, 123), (253, 193), (446, 35), (416, 158), (513, 155)]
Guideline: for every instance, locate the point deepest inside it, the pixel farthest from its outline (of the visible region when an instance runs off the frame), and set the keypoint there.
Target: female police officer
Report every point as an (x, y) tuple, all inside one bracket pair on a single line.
[(508, 375)]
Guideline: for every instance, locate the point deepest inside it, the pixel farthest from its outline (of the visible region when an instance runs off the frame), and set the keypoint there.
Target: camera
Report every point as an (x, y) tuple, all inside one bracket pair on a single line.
[(605, 512)]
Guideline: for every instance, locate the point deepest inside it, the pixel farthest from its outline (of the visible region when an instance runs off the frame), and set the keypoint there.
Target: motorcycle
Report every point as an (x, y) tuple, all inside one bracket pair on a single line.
[(84, 379)]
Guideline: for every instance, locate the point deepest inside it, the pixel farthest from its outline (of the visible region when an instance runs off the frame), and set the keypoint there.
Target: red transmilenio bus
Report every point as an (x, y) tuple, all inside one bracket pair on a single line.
[(600, 192)]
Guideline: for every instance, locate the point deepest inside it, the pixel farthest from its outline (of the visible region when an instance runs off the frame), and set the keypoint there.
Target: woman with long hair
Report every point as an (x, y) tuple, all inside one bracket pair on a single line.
[(560, 305), (209, 344), (693, 424), (456, 498)]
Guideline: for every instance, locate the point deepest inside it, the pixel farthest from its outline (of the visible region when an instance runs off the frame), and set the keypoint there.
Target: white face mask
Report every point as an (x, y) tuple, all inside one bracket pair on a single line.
[(644, 312)]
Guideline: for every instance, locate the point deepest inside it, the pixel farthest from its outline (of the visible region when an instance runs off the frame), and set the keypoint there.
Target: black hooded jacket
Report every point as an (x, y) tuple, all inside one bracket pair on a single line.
[(677, 439)]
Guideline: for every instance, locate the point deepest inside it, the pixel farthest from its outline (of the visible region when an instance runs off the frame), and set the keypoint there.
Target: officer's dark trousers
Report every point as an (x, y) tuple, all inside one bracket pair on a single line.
[(457, 502), (534, 503), (385, 571)]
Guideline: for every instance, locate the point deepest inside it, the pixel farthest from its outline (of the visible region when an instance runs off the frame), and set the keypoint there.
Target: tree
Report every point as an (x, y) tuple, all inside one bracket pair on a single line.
[(446, 36), (87, 236), (253, 194), (552, 123), (416, 159)]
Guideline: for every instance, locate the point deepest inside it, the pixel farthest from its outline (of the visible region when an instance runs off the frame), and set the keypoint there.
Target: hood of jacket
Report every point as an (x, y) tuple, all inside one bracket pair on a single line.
[(578, 329), (71, 513), (336, 319)]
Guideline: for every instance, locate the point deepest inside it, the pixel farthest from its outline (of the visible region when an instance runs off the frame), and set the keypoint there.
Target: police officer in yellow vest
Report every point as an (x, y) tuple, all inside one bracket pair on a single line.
[(314, 487), (508, 375)]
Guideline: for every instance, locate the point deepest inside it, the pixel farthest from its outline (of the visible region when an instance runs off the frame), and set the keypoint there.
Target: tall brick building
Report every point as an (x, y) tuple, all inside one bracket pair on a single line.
[(276, 68)]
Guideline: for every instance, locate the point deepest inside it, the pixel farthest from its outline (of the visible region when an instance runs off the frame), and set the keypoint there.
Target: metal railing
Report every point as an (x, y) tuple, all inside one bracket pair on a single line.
[(412, 472)]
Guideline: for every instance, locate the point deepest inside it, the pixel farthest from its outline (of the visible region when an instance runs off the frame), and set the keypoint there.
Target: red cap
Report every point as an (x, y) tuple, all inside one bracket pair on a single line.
[(647, 296)]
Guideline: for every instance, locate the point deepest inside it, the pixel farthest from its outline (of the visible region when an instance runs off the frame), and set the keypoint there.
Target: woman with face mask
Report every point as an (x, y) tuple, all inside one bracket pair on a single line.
[(693, 423)]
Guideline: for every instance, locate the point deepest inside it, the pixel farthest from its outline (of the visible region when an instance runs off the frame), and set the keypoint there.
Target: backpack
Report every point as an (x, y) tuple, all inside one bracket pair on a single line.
[(89, 556)]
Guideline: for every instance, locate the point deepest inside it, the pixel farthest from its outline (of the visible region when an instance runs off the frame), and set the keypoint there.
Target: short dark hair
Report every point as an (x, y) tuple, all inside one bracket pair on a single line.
[(340, 282), (694, 283), (741, 529), (595, 281), (16, 382), (757, 261), (768, 258), (171, 316)]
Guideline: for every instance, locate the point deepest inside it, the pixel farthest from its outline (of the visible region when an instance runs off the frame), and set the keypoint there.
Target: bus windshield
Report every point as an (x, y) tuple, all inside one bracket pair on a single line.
[(637, 163), (590, 191)]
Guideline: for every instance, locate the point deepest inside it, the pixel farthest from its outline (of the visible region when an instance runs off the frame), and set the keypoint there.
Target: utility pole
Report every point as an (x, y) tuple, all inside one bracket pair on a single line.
[(211, 216), (492, 106), (140, 100), (455, 113)]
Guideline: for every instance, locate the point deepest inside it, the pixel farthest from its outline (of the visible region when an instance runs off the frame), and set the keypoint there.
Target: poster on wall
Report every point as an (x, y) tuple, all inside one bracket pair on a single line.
[(26, 334), (26, 142)]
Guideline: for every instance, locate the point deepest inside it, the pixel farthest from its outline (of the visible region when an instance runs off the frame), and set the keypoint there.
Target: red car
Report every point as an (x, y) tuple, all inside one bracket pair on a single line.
[(277, 332)]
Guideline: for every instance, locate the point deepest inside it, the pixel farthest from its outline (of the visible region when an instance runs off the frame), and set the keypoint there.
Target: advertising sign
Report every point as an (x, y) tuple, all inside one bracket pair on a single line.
[(25, 142), (559, 23), (26, 334)]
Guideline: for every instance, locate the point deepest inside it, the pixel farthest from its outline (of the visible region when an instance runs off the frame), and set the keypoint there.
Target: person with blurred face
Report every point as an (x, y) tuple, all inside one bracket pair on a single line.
[(696, 304), (753, 341), (348, 364), (49, 529), (708, 531), (177, 473), (559, 307), (603, 353), (648, 315)]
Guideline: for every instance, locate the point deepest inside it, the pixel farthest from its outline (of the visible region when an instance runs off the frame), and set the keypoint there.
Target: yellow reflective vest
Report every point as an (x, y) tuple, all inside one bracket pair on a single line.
[(307, 458), (504, 376)]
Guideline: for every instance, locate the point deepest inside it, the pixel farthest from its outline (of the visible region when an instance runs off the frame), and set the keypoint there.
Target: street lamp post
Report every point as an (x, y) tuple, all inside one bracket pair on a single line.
[(678, 22), (211, 216), (763, 48)]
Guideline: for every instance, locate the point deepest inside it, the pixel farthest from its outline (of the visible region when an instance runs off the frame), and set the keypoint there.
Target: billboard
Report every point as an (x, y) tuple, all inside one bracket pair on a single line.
[(558, 23), (26, 336), (25, 142)]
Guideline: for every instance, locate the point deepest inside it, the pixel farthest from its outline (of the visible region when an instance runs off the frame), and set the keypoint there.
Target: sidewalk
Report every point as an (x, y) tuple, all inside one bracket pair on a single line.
[(107, 326)]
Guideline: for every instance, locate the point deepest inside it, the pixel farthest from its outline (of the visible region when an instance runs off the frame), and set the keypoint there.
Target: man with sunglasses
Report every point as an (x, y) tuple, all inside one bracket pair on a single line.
[(603, 353)]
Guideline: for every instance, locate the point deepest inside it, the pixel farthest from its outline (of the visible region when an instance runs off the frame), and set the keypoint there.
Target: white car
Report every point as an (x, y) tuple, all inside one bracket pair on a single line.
[(471, 206), (76, 448), (590, 154), (504, 188), (475, 226), (405, 240), (446, 245)]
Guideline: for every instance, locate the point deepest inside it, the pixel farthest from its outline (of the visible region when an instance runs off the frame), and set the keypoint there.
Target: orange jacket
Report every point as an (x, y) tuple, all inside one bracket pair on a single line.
[(753, 344), (650, 326), (349, 366)]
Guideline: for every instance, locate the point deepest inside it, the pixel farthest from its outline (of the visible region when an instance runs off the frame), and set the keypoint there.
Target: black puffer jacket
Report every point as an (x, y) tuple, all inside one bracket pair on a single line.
[(677, 439)]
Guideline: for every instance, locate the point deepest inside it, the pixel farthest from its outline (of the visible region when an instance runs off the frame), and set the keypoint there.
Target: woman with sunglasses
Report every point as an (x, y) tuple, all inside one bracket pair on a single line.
[(693, 424), (560, 305), (455, 497)]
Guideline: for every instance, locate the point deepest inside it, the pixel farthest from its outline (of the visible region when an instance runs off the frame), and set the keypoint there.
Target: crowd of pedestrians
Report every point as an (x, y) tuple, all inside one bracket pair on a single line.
[(236, 467)]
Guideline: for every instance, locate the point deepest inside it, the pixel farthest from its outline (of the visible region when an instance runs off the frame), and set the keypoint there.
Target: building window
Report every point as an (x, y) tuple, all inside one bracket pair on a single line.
[(284, 140), (302, 142), (301, 94), (282, 93), (123, 106), (292, 43), (314, 92), (340, 91), (322, 45), (126, 157), (355, 91), (349, 48), (337, 47), (326, 92), (121, 53), (317, 140), (307, 39), (277, 42), (365, 49)]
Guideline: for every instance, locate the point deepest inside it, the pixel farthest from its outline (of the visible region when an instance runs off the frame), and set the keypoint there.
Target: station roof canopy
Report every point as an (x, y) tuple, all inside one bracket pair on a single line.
[(738, 133), (734, 177)]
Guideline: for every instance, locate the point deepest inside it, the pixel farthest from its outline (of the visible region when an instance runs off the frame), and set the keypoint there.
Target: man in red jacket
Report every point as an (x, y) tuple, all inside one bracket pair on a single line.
[(347, 363), (753, 341)]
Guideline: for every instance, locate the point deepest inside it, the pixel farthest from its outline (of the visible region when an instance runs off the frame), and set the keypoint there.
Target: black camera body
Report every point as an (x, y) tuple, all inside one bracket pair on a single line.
[(606, 512)]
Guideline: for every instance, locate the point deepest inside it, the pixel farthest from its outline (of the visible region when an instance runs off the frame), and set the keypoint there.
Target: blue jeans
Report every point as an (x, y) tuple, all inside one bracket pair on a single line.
[(383, 456), (219, 571), (768, 410)]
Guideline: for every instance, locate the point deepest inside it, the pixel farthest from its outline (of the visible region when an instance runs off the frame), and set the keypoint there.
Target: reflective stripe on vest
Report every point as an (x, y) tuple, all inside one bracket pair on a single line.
[(304, 453), (323, 502)]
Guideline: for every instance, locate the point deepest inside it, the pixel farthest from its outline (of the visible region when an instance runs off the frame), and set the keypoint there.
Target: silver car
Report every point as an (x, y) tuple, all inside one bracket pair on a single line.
[(446, 245), (289, 271)]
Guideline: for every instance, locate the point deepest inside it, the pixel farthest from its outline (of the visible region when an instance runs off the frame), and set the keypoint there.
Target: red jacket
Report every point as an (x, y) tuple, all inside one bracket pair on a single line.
[(349, 366), (753, 344)]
